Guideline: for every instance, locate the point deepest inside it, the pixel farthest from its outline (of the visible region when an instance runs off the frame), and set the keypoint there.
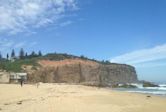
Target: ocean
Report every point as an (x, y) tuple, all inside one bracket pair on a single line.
[(161, 90)]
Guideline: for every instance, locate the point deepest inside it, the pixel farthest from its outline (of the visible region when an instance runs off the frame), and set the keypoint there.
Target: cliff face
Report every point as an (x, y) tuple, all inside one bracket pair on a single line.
[(84, 72)]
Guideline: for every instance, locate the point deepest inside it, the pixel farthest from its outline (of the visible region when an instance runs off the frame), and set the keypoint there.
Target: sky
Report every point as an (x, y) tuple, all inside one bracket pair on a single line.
[(122, 31)]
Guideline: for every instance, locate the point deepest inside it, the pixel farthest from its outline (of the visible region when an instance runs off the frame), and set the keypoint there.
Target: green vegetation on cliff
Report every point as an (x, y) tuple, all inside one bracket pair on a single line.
[(15, 65)]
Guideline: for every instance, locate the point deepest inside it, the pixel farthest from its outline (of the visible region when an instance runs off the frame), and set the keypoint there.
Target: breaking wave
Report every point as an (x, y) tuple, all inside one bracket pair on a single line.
[(161, 90)]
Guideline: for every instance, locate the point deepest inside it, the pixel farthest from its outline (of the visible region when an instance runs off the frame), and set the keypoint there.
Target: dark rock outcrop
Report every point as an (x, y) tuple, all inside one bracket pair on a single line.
[(82, 72)]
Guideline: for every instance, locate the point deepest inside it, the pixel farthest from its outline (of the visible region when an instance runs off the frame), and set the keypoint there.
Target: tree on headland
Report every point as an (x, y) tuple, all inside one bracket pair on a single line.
[(83, 57), (21, 55), (13, 54), (33, 54), (7, 56), (39, 53), (26, 55), (0, 56), (106, 62)]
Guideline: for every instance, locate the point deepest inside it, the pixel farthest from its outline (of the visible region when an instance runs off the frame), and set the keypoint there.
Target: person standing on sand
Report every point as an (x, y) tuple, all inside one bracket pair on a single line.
[(38, 84), (21, 82)]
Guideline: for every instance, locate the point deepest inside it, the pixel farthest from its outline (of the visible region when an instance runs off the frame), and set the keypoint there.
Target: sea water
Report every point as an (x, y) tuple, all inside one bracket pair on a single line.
[(161, 90)]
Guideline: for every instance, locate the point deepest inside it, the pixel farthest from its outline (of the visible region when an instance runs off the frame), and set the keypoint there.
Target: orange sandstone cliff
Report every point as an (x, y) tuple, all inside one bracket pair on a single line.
[(81, 72)]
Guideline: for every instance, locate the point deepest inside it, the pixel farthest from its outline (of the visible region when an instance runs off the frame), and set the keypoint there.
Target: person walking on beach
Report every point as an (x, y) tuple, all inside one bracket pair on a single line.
[(21, 82)]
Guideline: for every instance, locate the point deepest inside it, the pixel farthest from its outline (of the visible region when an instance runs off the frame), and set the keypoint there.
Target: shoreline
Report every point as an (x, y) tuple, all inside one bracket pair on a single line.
[(75, 98), (132, 90)]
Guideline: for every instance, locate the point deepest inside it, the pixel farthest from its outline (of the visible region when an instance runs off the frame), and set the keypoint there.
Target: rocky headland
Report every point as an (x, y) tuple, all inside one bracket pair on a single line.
[(81, 72)]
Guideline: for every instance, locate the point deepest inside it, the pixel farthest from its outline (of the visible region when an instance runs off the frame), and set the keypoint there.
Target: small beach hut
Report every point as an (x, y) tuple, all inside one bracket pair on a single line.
[(16, 77)]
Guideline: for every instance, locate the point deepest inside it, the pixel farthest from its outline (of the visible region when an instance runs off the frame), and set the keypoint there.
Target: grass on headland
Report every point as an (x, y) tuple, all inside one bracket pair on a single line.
[(16, 66)]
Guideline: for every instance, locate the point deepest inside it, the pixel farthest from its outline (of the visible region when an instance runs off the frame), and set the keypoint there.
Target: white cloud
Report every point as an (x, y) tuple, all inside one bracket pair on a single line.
[(142, 56), (20, 15), (4, 44), (19, 45), (66, 23), (7, 45)]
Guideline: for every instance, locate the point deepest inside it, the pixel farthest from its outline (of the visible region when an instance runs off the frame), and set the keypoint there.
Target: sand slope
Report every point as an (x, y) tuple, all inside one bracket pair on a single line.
[(74, 98)]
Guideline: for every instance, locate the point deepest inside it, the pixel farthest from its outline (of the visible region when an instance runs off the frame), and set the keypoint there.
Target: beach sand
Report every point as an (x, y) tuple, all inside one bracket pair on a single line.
[(74, 98)]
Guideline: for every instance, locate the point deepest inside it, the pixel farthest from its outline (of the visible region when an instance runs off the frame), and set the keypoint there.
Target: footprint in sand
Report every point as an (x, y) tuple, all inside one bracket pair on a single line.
[(19, 103), (7, 103)]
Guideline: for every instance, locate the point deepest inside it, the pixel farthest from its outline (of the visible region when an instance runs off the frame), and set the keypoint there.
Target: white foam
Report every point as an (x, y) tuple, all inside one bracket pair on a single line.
[(155, 88), (137, 85), (145, 91), (140, 86), (162, 85), (161, 90), (150, 92)]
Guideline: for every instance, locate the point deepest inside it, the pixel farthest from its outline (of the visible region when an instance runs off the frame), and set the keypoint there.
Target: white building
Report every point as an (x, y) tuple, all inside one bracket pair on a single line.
[(15, 77), (6, 77)]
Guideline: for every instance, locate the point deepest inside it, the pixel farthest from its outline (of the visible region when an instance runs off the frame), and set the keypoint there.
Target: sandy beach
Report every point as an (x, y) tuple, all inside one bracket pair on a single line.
[(74, 98)]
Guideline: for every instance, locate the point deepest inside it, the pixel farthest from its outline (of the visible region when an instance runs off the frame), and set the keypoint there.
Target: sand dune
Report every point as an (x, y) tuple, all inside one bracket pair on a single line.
[(74, 98)]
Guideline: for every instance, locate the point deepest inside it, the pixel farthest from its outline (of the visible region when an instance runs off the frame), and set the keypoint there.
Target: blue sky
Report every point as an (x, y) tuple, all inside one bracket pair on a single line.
[(123, 31)]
